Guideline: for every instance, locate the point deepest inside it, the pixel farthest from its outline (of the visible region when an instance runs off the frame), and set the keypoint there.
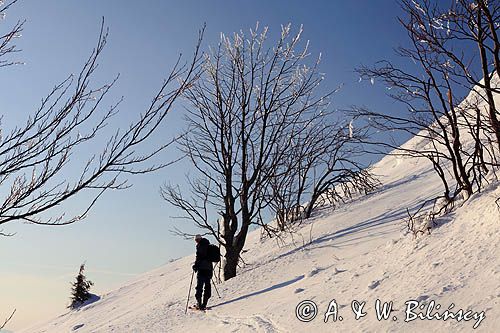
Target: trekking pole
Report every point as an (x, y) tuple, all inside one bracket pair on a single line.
[(216, 288), (189, 292)]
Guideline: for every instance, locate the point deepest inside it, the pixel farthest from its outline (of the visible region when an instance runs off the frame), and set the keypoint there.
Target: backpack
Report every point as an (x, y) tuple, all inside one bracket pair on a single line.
[(213, 253)]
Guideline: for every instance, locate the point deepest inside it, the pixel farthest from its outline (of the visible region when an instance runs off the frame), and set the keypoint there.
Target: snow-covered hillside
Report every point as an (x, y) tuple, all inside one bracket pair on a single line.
[(359, 252)]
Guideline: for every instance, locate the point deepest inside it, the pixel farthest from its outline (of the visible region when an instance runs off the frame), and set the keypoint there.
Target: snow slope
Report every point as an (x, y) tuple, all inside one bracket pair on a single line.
[(358, 252)]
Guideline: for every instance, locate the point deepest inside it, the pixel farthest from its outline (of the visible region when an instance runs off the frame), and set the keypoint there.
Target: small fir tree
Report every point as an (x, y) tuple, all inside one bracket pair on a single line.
[(80, 291)]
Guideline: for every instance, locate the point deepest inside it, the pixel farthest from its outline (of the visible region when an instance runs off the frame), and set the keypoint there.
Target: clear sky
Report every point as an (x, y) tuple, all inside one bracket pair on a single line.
[(128, 232)]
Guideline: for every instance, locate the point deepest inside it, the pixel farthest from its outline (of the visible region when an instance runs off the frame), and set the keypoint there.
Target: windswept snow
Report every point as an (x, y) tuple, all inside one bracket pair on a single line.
[(358, 252), (354, 255)]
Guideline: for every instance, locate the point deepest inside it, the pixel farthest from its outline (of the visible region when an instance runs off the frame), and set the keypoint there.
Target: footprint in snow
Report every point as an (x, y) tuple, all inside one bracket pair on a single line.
[(422, 298), (447, 288), (315, 271), (337, 271), (374, 284)]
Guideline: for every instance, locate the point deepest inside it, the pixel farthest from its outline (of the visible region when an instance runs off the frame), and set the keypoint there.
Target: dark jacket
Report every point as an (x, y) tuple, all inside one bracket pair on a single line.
[(202, 262)]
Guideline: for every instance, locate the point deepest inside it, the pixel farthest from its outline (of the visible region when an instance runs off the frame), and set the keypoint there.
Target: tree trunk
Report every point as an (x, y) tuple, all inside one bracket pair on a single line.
[(230, 263), (494, 122), (308, 210)]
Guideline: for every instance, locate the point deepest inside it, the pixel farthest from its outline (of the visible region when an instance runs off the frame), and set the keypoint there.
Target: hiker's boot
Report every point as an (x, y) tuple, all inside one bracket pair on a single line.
[(204, 304)]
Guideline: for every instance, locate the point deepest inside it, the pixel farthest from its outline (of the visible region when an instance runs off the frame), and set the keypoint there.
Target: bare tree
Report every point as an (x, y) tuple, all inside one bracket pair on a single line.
[(448, 31), (319, 168), (7, 39), (459, 140), (34, 157), (240, 126)]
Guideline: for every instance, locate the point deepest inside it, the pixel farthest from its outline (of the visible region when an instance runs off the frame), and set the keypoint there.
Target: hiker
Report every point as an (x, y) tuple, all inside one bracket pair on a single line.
[(203, 267)]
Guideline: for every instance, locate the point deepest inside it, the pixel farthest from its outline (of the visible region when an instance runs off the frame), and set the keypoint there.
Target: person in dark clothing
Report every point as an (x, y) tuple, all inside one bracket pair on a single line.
[(203, 267)]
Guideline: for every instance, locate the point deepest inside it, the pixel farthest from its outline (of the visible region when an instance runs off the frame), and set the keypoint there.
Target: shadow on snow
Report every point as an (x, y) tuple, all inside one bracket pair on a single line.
[(276, 286)]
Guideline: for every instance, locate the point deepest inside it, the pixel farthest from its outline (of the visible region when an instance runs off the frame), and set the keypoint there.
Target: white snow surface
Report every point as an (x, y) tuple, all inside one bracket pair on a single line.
[(358, 252), (361, 251)]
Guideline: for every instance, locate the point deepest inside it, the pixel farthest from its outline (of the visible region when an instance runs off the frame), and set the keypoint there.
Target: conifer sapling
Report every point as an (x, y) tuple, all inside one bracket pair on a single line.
[(80, 291)]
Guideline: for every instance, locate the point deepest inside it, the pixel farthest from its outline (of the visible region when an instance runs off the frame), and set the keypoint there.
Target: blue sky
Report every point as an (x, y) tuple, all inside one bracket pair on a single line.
[(128, 232)]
